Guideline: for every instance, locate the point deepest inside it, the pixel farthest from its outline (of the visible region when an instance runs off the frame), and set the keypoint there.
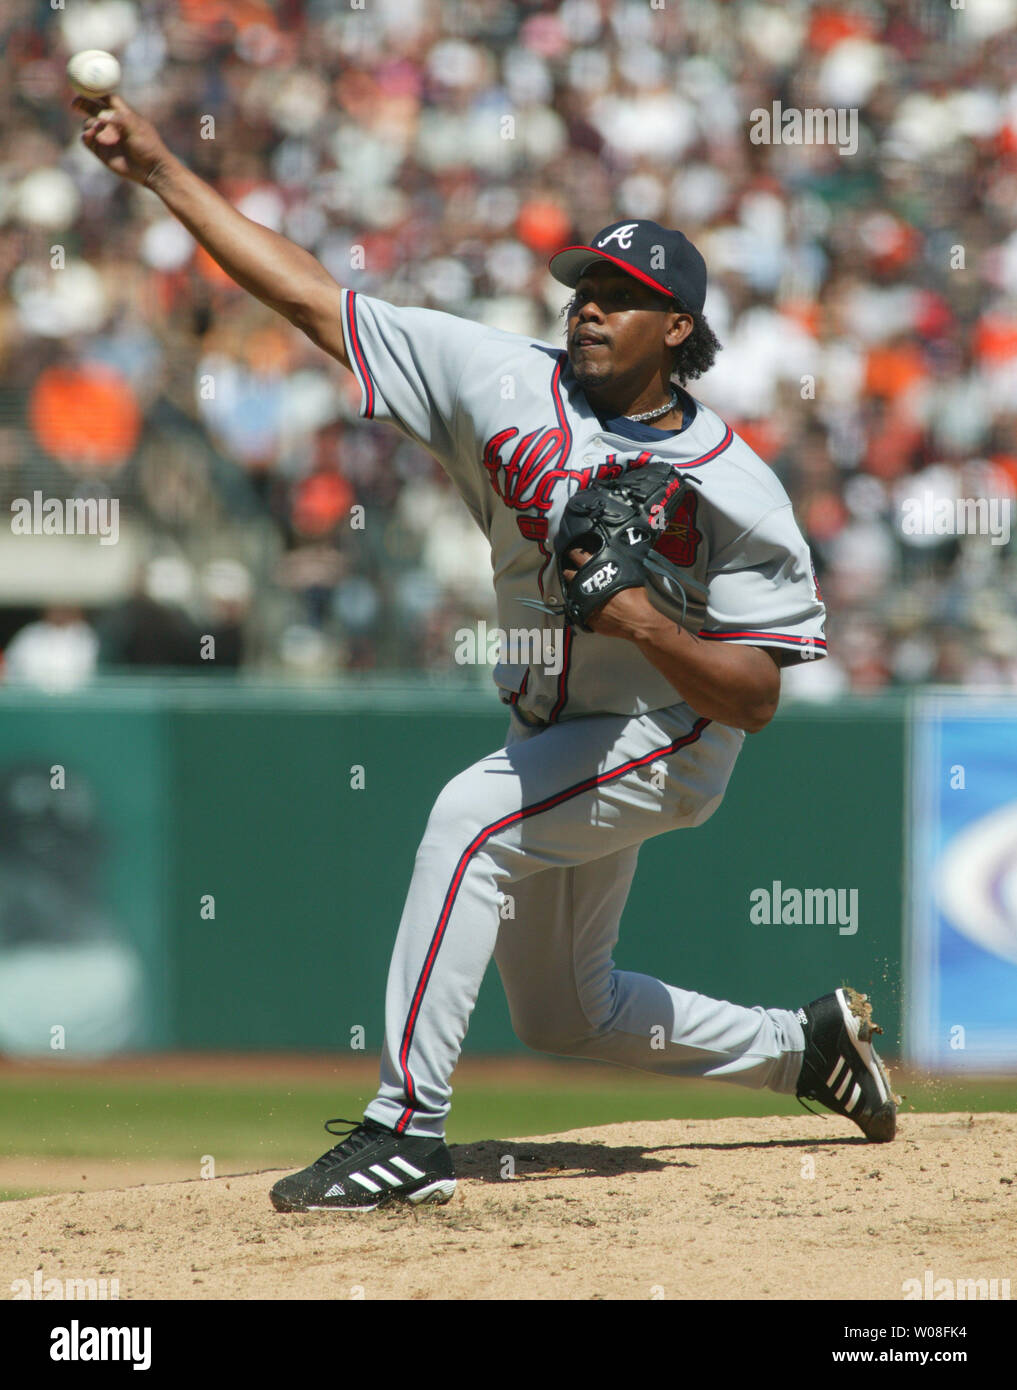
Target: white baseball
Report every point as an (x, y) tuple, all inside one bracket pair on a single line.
[(94, 73)]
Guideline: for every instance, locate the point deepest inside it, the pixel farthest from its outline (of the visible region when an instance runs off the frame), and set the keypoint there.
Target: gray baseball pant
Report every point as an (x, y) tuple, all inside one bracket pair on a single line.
[(555, 820)]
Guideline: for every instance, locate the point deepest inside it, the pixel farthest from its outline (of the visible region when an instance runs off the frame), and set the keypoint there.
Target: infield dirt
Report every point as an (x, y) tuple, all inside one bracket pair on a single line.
[(736, 1208)]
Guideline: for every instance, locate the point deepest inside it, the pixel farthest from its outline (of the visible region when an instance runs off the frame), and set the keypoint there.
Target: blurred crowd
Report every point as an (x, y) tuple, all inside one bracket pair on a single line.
[(435, 153)]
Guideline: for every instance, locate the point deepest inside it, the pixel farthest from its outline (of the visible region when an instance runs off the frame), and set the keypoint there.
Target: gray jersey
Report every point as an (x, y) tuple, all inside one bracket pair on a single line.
[(511, 426)]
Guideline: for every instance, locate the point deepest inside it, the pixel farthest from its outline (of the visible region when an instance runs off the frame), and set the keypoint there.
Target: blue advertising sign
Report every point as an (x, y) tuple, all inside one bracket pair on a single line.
[(962, 952)]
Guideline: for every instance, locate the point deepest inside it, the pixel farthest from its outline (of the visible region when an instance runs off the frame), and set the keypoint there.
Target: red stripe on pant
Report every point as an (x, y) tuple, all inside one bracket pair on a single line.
[(478, 842)]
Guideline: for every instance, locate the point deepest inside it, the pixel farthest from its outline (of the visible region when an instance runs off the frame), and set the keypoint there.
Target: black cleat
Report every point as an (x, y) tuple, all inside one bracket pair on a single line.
[(840, 1068), (370, 1166)]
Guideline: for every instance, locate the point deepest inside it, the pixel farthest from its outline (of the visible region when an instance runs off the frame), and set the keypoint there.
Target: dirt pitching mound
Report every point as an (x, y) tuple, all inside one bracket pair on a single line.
[(736, 1208)]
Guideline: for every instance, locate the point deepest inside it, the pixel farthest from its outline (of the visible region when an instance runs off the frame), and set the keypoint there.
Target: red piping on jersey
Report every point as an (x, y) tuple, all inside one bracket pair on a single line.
[(559, 407), (548, 557), (478, 843), (705, 458), (358, 351), (563, 680), (769, 636)]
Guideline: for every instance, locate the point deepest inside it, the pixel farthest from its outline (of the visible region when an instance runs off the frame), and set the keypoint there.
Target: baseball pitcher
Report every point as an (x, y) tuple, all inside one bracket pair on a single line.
[(626, 516)]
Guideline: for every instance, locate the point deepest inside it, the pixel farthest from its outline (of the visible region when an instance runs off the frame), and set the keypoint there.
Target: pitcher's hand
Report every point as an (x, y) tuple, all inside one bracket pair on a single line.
[(628, 614), (125, 142)]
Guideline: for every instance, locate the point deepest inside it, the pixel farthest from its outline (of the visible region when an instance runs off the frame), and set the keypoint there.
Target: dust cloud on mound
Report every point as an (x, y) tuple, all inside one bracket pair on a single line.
[(777, 1208)]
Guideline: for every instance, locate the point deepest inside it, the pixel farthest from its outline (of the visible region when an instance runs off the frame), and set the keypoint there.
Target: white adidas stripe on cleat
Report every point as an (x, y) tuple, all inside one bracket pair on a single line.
[(406, 1167), (386, 1176), (369, 1183), (864, 1047), (834, 1074)]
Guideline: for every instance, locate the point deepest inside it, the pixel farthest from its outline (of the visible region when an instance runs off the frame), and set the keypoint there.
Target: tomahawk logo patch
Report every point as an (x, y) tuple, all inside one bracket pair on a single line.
[(680, 540)]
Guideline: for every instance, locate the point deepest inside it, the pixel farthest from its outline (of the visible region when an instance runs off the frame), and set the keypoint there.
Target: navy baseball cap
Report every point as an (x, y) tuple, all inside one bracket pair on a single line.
[(664, 259)]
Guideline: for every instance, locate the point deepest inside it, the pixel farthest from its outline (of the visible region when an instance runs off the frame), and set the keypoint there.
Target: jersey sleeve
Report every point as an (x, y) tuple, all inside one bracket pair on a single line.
[(408, 363), (762, 592)]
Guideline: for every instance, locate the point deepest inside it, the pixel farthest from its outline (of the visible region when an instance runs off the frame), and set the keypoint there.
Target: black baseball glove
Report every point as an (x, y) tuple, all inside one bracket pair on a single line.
[(618, 521)]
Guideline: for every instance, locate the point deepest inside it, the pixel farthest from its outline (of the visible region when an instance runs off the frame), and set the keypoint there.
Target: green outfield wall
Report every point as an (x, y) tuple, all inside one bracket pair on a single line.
[(245, 801)]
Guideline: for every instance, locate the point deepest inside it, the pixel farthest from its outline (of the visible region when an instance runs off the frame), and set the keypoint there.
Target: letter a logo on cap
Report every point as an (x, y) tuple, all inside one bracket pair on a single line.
[(623, 236), (661, 257)]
